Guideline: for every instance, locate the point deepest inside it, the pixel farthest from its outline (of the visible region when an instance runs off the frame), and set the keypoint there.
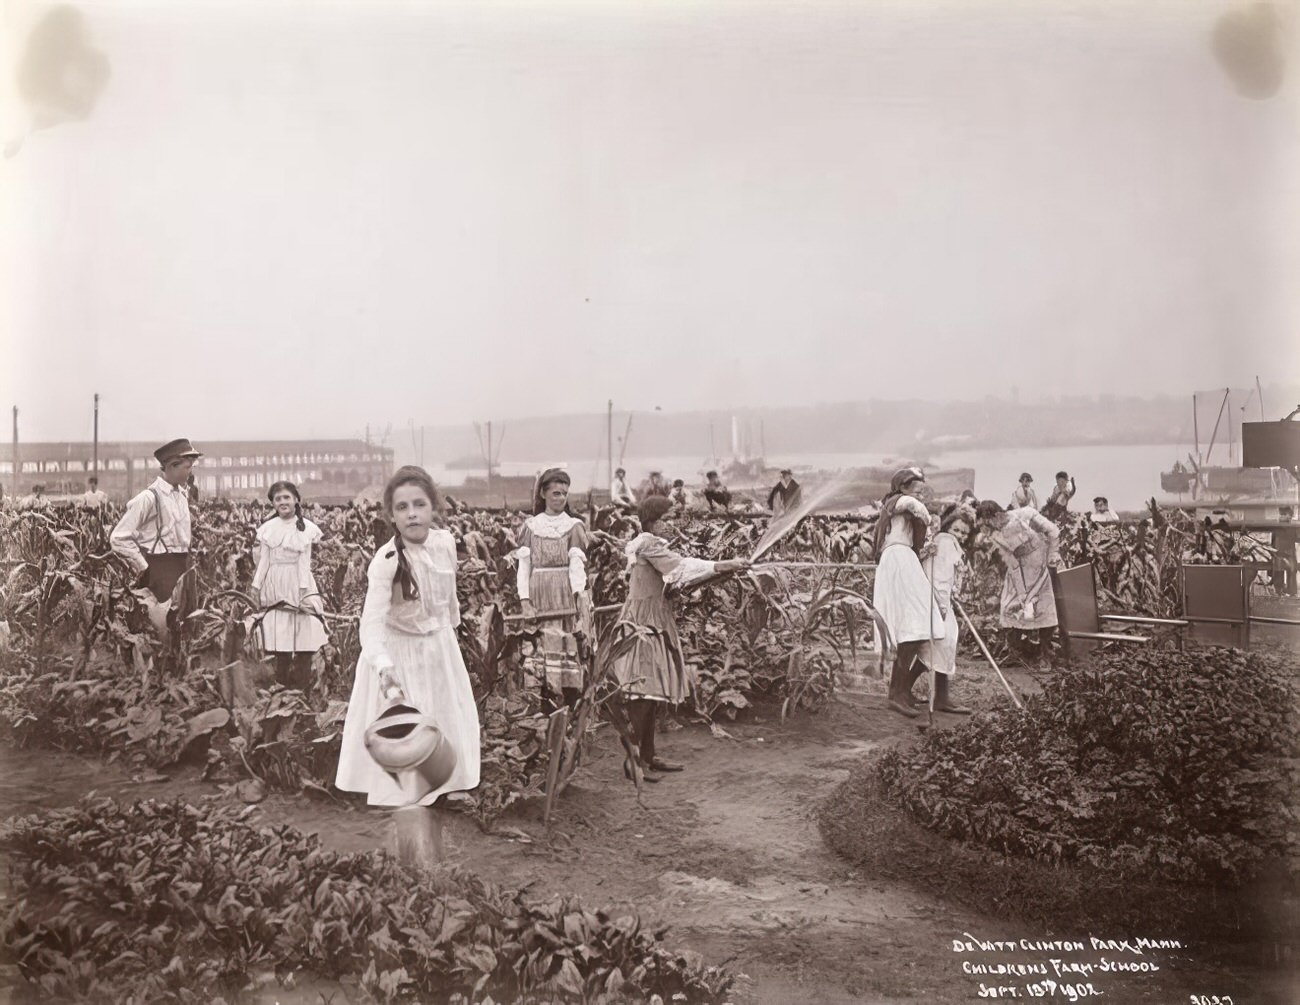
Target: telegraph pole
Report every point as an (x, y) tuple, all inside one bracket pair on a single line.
[(94, 456)]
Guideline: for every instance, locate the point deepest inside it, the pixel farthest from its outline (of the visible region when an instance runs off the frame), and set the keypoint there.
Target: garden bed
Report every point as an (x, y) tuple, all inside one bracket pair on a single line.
[(1153, 787)]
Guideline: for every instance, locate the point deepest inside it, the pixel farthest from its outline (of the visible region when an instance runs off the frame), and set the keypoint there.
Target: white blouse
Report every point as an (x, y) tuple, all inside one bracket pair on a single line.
[(550, 525), (282, 543), (433, 565)]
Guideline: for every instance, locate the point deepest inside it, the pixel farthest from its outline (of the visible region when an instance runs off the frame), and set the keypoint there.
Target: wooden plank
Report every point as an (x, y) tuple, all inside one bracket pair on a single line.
[(1108, 637), (1135, 619)]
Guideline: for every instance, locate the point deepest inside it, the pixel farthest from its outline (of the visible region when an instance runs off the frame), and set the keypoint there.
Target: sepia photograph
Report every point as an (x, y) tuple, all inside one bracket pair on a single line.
[(738, 502)]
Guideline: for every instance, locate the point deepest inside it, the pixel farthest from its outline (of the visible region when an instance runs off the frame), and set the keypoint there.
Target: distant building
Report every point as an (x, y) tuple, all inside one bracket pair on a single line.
[(324, 470)]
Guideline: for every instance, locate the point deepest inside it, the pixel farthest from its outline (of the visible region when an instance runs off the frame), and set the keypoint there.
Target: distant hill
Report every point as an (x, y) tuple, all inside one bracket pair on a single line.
[(854, 427)]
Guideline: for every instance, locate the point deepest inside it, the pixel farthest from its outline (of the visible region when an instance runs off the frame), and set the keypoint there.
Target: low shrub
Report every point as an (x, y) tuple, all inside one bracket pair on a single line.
[(1141, 786), (1181, 763)]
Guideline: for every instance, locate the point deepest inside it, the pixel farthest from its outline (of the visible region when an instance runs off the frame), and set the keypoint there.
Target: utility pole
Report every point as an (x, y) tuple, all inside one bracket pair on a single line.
[(94, 456), (18, 467), (609, 436)]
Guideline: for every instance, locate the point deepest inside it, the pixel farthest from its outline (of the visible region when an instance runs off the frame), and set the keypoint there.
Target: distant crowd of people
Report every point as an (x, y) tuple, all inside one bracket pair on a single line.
[(784, 496), (93, 498), (1058, 500)]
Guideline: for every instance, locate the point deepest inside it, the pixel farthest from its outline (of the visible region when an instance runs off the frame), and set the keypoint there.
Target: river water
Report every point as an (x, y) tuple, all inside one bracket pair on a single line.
[(1127, 475)]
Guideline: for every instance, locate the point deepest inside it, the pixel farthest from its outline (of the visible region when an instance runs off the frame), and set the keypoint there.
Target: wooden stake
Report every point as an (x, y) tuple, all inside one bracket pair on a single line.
[(555, 731), (985, 650)]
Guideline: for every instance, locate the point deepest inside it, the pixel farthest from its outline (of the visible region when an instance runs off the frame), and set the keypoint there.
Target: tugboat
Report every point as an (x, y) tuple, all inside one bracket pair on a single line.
[(1206, 483)]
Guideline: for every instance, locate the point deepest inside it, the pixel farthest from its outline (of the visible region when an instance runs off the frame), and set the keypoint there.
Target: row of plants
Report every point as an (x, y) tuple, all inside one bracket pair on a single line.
[(166, 901), (84, 671)]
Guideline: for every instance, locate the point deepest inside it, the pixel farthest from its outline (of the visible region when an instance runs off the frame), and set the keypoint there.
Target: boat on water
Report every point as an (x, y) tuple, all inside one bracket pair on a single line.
[(1200, 483), (468, 462), (501, 492)]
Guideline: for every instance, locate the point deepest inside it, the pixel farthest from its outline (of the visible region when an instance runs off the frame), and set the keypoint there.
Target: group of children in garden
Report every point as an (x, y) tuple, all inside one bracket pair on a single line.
[(411, 613)]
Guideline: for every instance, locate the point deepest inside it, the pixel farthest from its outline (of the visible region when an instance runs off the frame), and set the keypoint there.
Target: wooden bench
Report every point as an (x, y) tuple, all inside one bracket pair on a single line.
[(1082, 624)]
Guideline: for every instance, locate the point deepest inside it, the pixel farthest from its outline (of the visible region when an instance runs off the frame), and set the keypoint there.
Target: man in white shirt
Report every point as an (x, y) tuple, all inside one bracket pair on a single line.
[(153, 536), (94, 497), (619, 492)]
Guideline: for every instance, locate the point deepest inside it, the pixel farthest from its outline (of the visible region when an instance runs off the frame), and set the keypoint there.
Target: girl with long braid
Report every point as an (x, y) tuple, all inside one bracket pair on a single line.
[(902, 593), (408, 631), (291, 625)]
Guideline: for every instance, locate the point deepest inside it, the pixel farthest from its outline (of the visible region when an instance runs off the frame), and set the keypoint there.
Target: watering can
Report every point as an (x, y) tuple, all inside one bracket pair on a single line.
[(407, 744)]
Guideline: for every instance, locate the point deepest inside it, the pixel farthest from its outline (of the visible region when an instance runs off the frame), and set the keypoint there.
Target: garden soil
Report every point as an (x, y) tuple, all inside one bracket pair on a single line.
[(726, 854)]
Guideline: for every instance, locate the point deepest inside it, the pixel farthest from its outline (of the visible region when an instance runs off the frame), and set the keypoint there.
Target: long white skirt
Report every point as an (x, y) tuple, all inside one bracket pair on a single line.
[(902, 596), (941, 654), (433, 675), (285, 631)]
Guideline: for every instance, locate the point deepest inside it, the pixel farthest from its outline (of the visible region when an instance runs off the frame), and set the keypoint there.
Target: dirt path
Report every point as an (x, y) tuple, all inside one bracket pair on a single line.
[(726, 853)]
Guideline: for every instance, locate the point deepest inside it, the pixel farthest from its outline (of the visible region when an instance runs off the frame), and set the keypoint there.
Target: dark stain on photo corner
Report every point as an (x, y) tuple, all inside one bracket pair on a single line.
[(60, 74), (1247, 42)]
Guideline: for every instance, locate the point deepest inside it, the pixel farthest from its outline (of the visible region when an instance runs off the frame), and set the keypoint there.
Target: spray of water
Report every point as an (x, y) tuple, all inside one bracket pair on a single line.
[(787, 521)]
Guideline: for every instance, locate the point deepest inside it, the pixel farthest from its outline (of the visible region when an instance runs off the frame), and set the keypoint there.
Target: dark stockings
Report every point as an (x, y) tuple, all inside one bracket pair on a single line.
[(642, 714), (569, 696), (904, 675), (294, 670)]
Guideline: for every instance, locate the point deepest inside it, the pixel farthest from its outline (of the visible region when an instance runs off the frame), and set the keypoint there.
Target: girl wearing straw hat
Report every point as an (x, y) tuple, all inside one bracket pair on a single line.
[(901, 592)]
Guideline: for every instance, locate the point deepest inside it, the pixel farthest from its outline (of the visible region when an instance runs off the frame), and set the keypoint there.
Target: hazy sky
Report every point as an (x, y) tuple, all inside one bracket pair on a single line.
[(294, 219)]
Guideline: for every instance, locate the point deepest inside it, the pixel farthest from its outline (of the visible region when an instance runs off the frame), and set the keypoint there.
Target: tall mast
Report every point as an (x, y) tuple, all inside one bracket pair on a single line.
[(1196, 431), (94, 456), (1229, 433), (609, 437), (1214, 433)]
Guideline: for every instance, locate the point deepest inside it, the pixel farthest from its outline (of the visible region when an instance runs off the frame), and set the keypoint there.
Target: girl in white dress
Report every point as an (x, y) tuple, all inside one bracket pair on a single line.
[(293, 631), (945, 567), (408, 628), (901, 592)]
